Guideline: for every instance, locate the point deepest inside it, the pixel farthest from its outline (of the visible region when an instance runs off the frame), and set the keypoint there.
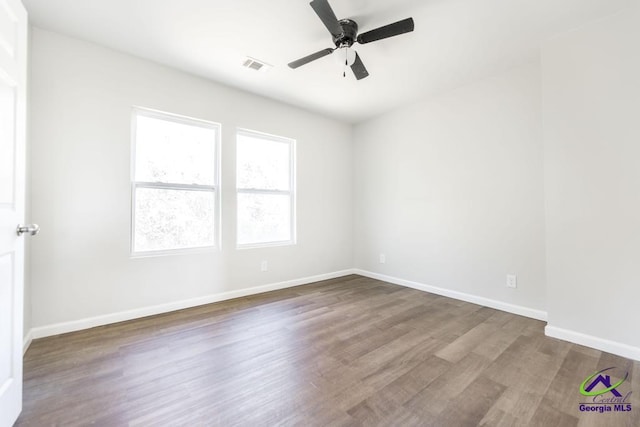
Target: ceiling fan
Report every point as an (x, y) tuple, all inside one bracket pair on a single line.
[(345, 33)]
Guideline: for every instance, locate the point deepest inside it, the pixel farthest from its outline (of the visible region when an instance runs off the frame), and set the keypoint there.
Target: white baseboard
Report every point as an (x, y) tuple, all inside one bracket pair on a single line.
[(91, 322), (608, 346), (487, 302), (27, 341), (602, 344), (612, 347)]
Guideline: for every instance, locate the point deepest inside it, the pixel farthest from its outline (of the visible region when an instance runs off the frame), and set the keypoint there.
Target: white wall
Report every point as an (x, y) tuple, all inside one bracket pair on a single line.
[(591, 87), (81, 100), (451, 190)]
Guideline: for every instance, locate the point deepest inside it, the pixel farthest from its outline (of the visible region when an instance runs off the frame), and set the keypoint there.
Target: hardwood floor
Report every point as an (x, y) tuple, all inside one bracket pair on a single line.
[(349, 351)]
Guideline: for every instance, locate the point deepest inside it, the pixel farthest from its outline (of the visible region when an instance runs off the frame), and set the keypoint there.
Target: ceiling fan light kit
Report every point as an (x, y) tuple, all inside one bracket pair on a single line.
[(344, 33), (345, 56)]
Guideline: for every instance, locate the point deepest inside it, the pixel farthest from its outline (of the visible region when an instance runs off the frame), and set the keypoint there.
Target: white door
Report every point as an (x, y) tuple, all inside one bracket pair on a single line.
[(13, 73)]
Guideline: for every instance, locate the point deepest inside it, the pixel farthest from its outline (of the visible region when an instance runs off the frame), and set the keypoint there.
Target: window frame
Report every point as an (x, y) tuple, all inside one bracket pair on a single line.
[(291, 192), (215, 188)]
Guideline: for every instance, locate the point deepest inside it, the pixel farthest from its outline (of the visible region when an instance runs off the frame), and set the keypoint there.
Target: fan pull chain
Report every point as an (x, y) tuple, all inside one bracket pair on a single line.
[(346, 63)]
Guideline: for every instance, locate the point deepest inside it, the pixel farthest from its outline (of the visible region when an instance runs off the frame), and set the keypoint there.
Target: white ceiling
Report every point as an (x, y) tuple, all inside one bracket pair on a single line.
[(455, 42)]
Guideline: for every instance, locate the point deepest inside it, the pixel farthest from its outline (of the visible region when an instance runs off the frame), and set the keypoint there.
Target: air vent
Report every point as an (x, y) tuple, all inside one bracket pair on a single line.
[(255, 64)]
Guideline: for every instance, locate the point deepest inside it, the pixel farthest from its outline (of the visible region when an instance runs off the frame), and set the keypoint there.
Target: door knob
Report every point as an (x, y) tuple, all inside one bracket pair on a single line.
[(32, 229)]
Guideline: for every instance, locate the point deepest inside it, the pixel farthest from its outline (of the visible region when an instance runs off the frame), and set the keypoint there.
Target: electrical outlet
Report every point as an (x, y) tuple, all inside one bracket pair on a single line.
[(383, 259), (264, 266), (512, 281)]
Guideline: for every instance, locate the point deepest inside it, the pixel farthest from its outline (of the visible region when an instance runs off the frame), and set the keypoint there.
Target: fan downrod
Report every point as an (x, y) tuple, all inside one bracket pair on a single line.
[(349, 33)]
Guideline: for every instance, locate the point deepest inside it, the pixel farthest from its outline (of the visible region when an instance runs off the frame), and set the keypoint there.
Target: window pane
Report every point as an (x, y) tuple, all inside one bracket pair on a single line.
[(173, 219), (171, 152), (263, 218), (263, 163)]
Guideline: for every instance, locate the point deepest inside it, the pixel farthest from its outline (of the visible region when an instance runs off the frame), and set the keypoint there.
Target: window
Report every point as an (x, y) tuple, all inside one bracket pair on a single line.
[(174, 183), (266, 189)]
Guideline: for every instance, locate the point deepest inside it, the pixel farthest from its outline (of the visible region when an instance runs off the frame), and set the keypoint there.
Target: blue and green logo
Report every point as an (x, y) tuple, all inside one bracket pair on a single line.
[(602, 389), (605, 380)]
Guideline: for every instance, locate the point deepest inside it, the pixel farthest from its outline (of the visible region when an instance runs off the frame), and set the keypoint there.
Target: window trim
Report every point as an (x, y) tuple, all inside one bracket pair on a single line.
[(216, 188), (291, 192)]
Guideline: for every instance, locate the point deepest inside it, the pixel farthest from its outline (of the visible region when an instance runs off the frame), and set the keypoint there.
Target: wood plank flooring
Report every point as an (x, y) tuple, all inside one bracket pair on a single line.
[(351, 351)]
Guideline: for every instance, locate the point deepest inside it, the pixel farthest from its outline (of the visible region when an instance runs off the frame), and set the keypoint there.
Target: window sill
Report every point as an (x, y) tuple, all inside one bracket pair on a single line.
[(266, 245), (171, 252)]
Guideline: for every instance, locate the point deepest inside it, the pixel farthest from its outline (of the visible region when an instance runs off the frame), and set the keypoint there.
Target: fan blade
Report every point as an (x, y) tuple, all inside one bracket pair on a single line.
[(395, 29), (302, 61), (359, 69), (326, 15)]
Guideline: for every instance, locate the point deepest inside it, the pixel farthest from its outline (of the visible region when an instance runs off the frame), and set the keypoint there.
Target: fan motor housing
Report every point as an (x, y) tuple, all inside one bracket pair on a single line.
[(349, 33)]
